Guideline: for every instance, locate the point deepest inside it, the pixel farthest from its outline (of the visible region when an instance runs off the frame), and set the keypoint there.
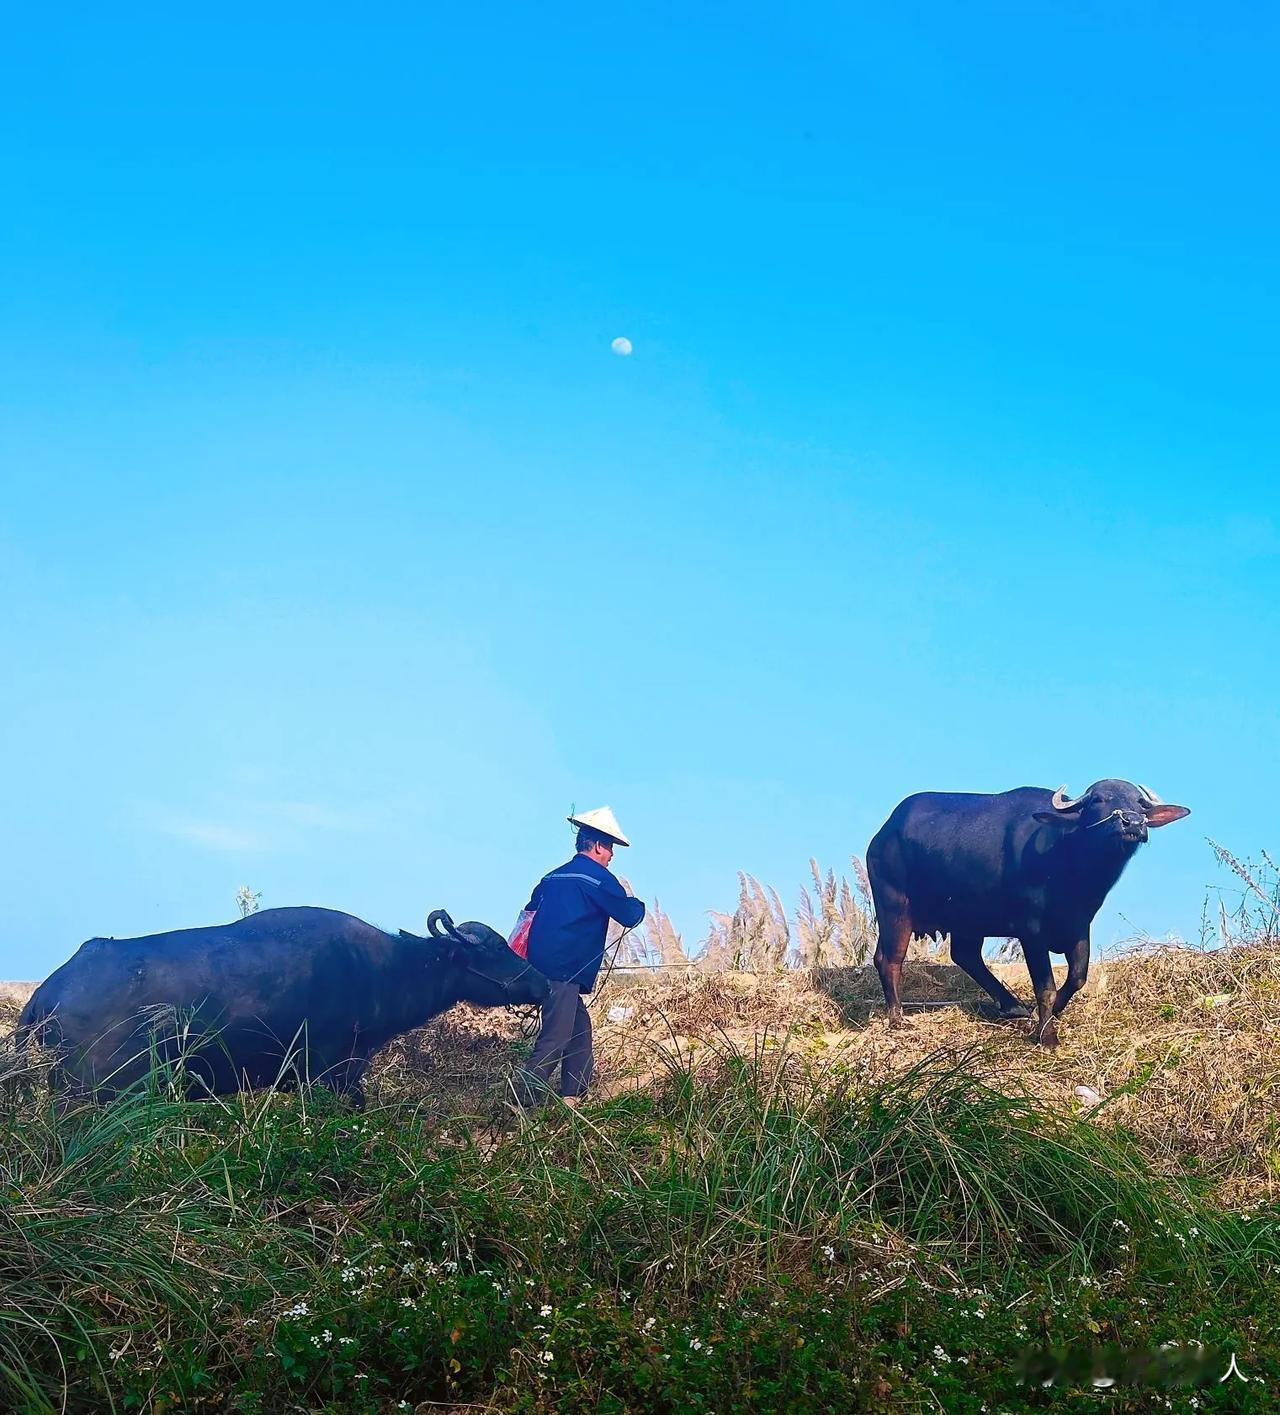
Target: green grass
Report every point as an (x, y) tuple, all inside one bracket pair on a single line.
[(759, 1236)]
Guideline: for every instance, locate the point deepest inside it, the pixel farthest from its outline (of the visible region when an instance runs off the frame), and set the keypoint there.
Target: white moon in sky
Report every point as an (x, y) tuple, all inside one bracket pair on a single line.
[(621, 346)]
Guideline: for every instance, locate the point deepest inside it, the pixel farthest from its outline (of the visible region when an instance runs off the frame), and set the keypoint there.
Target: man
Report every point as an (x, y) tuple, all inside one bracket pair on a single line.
[(566, 944)]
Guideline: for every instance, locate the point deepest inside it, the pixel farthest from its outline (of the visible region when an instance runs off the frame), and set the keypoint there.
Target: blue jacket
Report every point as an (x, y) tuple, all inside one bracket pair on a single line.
[(575, 904)]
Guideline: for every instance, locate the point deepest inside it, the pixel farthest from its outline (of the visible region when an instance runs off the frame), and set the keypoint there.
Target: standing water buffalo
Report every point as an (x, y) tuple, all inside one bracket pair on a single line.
[(1026, 864), (278, 995)]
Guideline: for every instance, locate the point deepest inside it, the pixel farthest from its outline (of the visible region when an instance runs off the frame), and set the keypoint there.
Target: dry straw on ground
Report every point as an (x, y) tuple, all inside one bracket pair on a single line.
[(1178, 1044)]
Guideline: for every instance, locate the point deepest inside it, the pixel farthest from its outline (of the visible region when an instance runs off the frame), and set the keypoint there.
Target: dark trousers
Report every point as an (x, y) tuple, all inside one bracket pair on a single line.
[(565, 1040)]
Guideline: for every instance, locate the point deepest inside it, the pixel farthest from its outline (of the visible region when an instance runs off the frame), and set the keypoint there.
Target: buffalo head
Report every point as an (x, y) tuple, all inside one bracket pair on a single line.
[(489, 973), (1118, 811)]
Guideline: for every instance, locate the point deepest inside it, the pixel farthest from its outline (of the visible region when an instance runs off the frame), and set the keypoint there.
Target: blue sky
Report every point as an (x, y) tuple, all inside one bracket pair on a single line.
[(339, 555)]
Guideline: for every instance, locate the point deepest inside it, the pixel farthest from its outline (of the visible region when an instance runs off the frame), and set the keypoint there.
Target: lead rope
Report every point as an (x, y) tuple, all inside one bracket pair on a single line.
[(611, 965)]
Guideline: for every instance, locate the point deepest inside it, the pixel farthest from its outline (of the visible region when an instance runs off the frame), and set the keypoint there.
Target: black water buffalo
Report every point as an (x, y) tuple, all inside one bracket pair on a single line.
[(1026, 864), (279, 996)]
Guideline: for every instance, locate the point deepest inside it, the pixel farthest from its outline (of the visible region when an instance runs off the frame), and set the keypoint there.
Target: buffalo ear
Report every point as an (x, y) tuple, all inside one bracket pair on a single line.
[(1165, 815), (1062, 819)]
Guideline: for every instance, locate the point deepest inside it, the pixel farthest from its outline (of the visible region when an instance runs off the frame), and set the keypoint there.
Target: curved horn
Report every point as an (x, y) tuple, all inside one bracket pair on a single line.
[(1149, 796), (1061, 803), (440, 925)]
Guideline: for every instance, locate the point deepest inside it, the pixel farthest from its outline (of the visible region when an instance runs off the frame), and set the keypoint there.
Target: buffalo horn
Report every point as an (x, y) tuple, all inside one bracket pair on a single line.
[(1149, 796), (1061, 803), (440, 925)]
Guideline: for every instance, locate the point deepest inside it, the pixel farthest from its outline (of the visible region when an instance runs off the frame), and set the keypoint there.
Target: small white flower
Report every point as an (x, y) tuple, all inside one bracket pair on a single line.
[(408, 1302), (650, 1323), (828, 1252), (545, 1310), (695, 1344), (547, 1358)]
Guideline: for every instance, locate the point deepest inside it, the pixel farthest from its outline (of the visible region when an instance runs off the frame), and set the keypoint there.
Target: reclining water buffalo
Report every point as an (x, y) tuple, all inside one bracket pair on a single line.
[(279, 996), (1028, 864)]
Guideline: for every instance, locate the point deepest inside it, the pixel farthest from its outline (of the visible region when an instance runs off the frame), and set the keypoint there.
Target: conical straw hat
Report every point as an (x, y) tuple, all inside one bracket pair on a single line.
[(602, 820)]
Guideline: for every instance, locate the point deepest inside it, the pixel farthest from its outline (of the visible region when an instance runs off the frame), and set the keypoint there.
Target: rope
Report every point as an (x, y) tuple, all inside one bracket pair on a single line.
[(652, 967), (608, 972)]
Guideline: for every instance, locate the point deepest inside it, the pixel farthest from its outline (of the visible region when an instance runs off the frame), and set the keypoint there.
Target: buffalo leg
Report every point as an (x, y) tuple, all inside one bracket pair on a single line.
[(1077, 974), (966, 953), (1036, 953), (894, 936)]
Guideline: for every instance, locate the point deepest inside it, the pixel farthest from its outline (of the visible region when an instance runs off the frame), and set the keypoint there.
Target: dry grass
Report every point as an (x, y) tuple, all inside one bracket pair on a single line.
[(1179, 1044)]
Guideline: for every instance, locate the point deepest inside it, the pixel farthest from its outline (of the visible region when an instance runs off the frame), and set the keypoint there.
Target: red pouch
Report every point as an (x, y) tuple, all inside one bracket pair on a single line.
[(519, 940)]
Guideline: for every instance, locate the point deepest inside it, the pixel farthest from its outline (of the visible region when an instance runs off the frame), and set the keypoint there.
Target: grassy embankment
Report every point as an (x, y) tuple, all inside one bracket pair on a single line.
[(784, 1206)]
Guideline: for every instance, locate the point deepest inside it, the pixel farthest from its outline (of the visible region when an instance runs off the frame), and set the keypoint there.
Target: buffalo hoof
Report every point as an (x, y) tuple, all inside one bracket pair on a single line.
[(897, 1022), (1047, 1035), (993, 1012)]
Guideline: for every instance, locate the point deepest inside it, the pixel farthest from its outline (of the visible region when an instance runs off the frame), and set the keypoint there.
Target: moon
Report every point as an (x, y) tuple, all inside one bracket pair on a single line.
[(621, 346)]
